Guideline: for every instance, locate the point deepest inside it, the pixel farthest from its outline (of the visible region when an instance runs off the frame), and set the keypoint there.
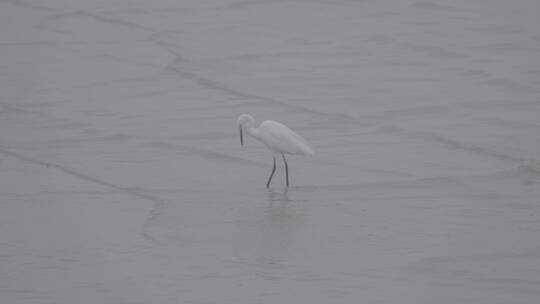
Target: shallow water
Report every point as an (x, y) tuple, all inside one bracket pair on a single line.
[(122, 179)]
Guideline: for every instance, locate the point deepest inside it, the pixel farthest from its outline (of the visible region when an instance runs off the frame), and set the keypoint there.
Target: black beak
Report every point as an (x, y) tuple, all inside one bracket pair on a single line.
[(241, 136)]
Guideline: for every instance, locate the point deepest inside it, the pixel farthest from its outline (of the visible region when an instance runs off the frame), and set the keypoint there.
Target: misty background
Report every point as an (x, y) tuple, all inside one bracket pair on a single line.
[(122, 179)]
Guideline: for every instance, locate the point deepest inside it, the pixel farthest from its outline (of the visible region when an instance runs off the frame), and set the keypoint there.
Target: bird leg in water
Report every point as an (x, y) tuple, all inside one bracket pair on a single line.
[(271, 174), (286, 169)]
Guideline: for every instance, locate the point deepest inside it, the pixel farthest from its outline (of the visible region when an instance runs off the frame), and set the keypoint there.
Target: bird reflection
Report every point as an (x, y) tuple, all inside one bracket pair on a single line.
[(279, 196)]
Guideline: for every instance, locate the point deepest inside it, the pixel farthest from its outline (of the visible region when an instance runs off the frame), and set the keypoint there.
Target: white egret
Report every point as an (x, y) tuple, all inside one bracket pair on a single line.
[(277, 137)]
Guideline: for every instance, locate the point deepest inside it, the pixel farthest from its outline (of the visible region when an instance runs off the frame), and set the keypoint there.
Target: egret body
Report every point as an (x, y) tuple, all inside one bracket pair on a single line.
[(277, 137)]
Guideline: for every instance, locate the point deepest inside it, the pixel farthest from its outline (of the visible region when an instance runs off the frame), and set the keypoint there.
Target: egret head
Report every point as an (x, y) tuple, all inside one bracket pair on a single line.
[(244, 120)]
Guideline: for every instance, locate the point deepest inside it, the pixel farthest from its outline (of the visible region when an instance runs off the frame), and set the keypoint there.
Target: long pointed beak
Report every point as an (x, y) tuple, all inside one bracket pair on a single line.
[(241, 136)]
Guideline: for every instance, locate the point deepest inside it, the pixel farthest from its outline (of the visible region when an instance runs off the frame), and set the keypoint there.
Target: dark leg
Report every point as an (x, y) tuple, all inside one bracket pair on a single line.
[(271, 174), (286, 169)]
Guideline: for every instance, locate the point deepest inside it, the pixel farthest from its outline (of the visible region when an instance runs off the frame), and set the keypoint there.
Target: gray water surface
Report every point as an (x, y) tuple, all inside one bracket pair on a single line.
[(122, 179)]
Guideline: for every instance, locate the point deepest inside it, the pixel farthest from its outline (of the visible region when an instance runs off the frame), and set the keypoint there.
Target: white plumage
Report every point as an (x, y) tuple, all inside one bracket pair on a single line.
[(280, 139), (277, 137)]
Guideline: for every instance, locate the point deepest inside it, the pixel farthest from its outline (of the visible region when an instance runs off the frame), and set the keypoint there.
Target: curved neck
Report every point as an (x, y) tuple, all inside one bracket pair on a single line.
[(253, 131)]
